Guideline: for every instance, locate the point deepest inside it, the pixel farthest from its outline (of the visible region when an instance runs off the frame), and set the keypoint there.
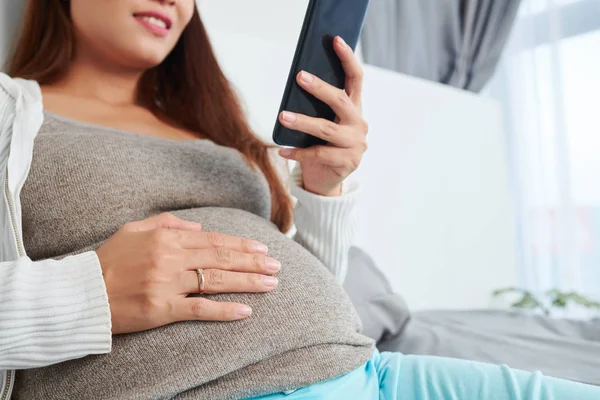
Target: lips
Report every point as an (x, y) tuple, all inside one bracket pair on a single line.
[(157, 23)]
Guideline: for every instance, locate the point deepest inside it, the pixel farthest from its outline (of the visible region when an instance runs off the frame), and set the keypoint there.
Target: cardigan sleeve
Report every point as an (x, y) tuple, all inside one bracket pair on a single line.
[(326, 225), (51, 310)]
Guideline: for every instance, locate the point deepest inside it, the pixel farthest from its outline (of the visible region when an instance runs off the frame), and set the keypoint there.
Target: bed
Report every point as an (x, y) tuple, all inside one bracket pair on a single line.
[(562, 348)]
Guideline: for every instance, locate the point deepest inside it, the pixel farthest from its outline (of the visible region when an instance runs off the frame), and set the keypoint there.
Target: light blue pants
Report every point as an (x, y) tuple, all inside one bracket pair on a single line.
[(393, 376)]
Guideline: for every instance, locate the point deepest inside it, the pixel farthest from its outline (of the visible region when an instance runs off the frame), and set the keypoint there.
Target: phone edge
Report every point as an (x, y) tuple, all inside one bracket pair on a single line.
[(291, 76)]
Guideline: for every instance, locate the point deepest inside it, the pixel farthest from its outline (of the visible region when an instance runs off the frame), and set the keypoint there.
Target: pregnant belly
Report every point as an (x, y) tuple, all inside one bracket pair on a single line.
[(307, 310)]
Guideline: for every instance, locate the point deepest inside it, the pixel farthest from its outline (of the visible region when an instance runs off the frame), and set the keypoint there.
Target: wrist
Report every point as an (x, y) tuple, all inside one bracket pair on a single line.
[(334, 192)]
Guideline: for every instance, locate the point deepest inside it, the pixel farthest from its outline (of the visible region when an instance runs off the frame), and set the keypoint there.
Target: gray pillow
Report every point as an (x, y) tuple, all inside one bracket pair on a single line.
[(383, 312)]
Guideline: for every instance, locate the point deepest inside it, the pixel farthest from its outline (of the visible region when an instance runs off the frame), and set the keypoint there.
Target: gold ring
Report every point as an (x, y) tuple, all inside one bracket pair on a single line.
[(201, 280)]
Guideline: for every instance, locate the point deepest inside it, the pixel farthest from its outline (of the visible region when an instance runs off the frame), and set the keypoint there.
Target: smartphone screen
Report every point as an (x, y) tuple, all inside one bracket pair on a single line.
[(325, 19)]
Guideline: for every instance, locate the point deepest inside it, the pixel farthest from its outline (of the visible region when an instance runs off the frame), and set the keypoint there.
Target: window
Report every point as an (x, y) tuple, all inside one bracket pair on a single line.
[(549, 86)]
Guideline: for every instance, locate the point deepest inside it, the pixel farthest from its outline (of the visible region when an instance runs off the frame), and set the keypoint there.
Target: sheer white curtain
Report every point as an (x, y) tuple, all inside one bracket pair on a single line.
[(549, 85)]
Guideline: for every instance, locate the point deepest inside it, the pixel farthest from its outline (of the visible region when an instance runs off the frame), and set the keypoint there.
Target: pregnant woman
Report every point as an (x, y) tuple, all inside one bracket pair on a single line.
[(143, 253)]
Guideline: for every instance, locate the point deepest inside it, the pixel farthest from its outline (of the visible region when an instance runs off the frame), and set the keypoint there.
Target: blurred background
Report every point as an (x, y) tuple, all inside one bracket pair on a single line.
[(483, 170)]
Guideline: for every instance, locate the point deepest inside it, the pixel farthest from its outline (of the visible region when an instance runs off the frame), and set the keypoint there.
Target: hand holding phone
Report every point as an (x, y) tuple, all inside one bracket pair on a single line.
[(316, 54), (325, 167)]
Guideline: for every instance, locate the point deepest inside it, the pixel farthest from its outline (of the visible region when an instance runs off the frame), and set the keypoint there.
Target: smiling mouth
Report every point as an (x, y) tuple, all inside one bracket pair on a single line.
[(156, 23)]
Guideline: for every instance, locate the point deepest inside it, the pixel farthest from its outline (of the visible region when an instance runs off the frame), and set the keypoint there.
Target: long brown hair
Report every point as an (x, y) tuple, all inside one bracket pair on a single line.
[(188, 87)]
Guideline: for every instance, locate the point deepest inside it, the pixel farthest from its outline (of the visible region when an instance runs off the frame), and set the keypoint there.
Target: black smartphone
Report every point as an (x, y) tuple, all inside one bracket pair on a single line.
[(325, 19)]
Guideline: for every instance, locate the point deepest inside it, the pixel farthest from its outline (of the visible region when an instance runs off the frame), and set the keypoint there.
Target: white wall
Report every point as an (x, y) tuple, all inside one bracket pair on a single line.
[(435, 210), (435, 213), (273, 20)]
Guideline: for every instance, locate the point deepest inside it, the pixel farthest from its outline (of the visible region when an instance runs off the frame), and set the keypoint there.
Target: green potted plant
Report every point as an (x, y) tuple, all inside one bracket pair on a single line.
[(554, 299)]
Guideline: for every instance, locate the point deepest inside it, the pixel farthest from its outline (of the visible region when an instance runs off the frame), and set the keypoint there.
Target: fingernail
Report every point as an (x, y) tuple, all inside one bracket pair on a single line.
[(342, 42), (285, 152), (270, 281), (243, 311), (306, 77), (272, 265), (194, 225), (259, 247), (288, 116)]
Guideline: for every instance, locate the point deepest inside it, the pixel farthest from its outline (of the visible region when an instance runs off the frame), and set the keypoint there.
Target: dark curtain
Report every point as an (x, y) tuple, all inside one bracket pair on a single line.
[(457, 42)]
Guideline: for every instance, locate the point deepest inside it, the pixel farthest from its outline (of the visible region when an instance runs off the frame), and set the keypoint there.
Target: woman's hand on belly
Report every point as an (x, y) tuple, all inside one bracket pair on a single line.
[(151, 266)]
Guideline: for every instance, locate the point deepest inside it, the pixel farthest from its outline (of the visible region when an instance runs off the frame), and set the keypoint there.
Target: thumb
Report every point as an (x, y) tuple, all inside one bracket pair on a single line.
[(166, 221)]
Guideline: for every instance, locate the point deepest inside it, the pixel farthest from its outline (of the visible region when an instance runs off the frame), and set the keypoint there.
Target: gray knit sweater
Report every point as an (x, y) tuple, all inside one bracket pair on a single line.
[(87, 181)]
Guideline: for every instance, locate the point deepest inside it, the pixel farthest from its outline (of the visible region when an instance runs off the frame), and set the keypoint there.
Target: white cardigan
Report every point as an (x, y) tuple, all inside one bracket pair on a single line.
[(52, 311)]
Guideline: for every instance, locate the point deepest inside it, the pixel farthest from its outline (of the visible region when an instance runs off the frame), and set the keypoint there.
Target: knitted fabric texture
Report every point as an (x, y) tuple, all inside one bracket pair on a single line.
[(86, 181)]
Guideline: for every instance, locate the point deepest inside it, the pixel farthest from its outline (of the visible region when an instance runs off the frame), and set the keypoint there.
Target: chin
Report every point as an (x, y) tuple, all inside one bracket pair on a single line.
[(149, 60), (145, 54)]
